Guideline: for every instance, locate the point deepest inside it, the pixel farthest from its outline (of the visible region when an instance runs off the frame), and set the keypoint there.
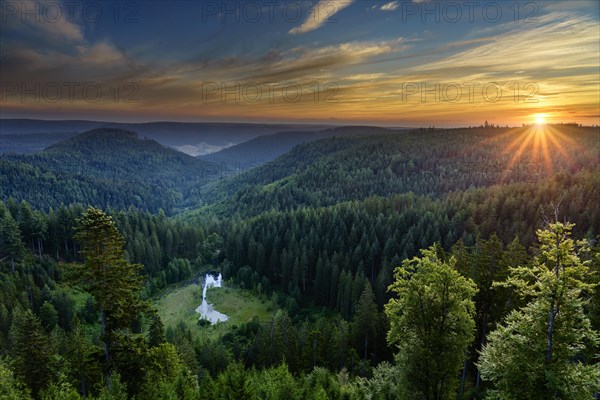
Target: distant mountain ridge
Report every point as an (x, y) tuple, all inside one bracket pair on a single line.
[(119, 168), (190, 137), (429, 162), (104, 167), (99, 136), (266, 148)]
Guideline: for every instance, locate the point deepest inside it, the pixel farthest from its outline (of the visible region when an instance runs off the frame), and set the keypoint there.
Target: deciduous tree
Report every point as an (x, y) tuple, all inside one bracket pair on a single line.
[(431, 324), (539, 352)]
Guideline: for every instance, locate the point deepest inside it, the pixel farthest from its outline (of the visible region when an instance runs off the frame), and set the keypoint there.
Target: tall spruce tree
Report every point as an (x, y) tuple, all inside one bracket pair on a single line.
[(30, 350), (366, 320), (11, 245), (114, 283)]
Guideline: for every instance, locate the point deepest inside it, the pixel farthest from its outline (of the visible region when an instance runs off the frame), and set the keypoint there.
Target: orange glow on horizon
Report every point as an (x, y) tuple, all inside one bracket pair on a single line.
[(539, 147)]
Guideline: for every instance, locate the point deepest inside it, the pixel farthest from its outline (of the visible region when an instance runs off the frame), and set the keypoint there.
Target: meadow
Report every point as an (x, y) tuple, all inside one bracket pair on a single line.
[(179, 303)]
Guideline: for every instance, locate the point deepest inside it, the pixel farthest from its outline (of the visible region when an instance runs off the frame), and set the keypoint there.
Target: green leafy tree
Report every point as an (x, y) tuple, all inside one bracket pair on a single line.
[(82, 356), (539, 352), (431, 323), (322, 384), (156, 335), (276, 384), (383, 385), (167, 377), (27, 223)]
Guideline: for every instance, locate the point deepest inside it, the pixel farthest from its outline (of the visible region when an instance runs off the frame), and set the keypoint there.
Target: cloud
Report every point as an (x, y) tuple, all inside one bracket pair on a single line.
[(320, 13), (364, 77), (48, 44), (303, 62), (100, 63), (539, 51), (45, 19), (99, 54), (297, 63), (558, 53), (391, 6)]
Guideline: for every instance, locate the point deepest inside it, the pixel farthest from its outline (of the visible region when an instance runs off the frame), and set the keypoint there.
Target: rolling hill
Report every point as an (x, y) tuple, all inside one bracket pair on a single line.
[(104, 167), (266, 148), (425, 162), (193, 138)]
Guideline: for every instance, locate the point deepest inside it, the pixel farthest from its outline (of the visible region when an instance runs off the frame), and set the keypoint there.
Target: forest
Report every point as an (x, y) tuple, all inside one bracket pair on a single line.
[(422, 264)]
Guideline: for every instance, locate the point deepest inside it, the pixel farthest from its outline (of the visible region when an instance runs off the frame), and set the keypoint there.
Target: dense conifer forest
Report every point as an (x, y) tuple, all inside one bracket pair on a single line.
[(416, 264), (299, 200)]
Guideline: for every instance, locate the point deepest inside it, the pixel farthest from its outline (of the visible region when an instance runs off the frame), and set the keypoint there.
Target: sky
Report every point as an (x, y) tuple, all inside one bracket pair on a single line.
[(388, 63)]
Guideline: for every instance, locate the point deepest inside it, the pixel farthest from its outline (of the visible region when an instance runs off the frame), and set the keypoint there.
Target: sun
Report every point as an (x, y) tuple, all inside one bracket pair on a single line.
[(540, 119)]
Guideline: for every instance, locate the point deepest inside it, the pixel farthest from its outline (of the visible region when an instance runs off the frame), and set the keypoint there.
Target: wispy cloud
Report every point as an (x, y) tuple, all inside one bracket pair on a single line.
[(320, 14), (391, 6), (537, 51), (364, 77), (300, 63), (369, 64)]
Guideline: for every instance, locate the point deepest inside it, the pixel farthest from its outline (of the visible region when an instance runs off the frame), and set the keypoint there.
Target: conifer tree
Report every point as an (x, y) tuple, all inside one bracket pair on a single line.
[(10, 239), (366, 320), (30, 350), (112, 281)]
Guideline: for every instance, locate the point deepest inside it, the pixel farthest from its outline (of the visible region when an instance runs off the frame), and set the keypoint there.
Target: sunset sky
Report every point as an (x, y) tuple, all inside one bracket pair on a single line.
[(398, 63)]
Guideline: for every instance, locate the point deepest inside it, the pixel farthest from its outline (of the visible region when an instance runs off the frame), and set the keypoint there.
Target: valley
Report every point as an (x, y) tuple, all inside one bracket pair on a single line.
[(300, 200), (296, 257)]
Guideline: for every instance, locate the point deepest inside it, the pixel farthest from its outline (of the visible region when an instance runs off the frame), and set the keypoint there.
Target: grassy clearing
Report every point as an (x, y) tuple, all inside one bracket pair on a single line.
[(239, 305), (179, 304)]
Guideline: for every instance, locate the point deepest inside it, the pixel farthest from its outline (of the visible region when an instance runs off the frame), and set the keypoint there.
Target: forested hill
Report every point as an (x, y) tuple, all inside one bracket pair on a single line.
[(116, 168), (315, 238), (114, 152), (191, 137), (266, 148), (103, 167), (427, 162)]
